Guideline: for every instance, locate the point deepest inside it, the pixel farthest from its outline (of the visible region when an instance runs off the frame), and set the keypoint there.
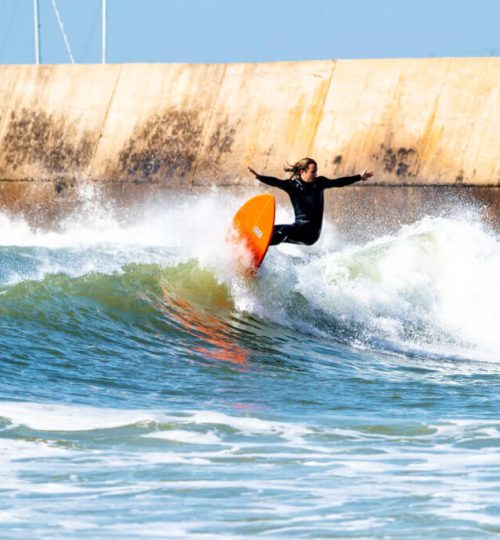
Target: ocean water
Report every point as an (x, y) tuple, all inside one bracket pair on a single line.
[(148, 390)]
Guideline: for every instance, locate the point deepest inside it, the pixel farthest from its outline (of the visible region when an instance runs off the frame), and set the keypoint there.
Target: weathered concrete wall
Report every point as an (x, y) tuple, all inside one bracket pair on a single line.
[(431, 122)]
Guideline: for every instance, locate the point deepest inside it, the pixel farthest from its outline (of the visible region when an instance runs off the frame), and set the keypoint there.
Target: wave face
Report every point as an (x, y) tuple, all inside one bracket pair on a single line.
[(348, 390)]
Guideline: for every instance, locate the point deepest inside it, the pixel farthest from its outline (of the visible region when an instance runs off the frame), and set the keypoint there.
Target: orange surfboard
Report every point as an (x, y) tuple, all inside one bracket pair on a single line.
[(253, 226)]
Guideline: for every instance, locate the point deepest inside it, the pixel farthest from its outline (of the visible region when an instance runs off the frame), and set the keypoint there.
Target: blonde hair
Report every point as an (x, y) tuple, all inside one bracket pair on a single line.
[(300, 166)]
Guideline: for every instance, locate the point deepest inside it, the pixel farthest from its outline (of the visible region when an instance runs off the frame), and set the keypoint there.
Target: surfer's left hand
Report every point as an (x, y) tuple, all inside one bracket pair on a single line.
[(366, 174)]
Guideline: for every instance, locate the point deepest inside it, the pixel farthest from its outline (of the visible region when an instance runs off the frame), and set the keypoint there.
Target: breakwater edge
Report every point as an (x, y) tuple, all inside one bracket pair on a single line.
[(429, 128)]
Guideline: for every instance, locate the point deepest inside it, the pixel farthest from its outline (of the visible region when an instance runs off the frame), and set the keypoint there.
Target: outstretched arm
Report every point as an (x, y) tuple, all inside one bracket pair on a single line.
[(269, 180), (348, 180)]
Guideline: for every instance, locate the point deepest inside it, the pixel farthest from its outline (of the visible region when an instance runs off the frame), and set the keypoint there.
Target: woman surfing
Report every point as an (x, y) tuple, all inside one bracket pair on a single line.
[(305, 190)]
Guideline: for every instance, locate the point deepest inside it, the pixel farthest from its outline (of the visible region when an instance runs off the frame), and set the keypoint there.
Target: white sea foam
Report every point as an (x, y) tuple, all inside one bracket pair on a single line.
[(26, 450), (191, 223), (189, 437), (433, 287), (99, 238), (47, 417), (288, 461), (53, 417)]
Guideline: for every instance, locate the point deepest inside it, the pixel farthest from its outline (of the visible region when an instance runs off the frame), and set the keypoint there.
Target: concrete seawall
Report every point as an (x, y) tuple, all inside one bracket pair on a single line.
[(415, 122)]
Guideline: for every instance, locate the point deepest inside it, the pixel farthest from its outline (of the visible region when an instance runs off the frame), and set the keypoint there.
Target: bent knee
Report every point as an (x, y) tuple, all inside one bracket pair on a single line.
[(310, 241)]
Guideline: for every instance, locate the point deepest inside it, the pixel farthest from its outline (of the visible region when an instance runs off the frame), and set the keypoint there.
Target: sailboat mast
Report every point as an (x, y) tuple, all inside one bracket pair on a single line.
[(104, 21), (36, 18)]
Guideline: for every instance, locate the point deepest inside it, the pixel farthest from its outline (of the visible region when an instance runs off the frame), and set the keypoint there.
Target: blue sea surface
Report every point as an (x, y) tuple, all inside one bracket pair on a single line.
[(148, 389)]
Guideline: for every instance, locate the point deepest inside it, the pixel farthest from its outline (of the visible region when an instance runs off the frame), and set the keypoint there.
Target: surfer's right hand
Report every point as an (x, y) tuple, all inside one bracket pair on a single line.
[(253, 172)]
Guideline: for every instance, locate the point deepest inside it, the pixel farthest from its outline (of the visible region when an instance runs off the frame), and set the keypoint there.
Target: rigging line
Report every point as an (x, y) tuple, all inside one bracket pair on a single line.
[(61, 26)]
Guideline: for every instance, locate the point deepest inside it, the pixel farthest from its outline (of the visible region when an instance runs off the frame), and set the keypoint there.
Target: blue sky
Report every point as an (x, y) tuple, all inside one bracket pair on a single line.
[(252, 30)]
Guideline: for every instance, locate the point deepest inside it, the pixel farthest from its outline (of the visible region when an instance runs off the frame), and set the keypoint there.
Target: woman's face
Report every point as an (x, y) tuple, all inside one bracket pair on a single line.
[(309, 174)]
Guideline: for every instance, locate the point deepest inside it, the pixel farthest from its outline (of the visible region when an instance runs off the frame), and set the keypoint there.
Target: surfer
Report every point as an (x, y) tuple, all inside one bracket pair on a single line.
[(305, 190)]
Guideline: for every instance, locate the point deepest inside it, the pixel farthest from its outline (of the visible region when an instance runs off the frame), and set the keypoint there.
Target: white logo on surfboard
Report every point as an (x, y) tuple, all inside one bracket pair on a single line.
[(257, 231)]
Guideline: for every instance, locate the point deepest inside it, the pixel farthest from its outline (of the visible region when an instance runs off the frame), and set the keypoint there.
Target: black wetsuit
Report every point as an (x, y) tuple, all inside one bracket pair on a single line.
[(308, 204)]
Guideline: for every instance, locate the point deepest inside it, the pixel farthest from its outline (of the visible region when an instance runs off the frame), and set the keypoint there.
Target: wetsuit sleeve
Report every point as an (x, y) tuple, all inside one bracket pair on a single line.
[(340, 182), (274, 182)]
